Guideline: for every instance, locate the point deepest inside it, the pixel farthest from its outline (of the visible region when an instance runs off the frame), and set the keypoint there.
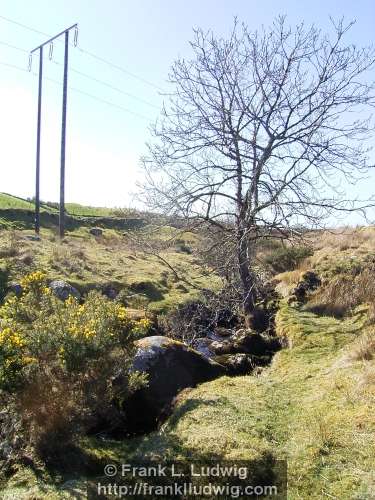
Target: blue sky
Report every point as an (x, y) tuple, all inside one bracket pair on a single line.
[(143, 37)]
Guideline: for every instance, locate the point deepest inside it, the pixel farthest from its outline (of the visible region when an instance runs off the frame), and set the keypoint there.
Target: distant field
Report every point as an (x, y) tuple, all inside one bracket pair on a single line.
[(18, 213), (77, 209), (8, 201)]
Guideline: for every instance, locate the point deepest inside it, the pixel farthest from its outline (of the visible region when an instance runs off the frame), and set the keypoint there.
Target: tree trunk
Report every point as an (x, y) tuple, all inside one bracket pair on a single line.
[(247, 279)]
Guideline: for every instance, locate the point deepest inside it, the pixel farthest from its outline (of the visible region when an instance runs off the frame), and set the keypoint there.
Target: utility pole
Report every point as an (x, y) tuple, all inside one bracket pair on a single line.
[(63, 127), (37, 176), (63, 140)]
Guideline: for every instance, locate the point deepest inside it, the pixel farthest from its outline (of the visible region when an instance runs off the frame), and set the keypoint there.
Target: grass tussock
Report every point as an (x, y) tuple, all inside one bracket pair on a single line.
[(364, 349), (342, 294), (9, 245)]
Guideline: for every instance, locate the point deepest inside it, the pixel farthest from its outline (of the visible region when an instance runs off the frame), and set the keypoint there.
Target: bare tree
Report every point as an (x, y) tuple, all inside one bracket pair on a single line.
[(261, 132)]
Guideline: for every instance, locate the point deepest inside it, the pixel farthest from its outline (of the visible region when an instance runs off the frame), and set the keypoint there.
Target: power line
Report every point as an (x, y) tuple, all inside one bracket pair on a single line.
[(24, 26), (94, 79), (114, 88), (92, 96), (13, 47), (115, 66), (91, 54)]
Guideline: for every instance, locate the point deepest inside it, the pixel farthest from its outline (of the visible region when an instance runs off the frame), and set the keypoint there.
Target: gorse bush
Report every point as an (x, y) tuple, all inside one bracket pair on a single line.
[(283, 259), (57, 361)]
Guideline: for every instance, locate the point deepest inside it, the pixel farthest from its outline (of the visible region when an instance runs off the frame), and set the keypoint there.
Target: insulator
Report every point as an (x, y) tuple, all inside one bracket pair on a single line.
[(30, 62), (50, 54), (75, 36)]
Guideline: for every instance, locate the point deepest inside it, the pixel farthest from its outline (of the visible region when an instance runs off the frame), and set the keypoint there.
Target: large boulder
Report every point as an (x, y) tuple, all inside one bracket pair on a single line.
[(63, 290), (171, 366)]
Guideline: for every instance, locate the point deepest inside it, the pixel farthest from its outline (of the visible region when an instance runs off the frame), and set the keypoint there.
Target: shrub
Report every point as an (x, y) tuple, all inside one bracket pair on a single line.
[(195, 318), (287, 258), (57, 361)]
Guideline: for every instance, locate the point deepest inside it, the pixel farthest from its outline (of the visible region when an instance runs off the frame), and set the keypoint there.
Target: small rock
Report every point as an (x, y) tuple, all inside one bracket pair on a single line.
[(109, 292), (62, 290), (32, 237), (223, 332), (222, 347), (240, 363), (249, 342), (203, 345), (96, 231), (15, 288), (236, 364)]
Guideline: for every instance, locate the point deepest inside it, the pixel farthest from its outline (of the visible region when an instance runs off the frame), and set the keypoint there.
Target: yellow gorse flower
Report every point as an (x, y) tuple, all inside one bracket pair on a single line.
[(144, 323), (32, 279), (11, 339), (122, 313), (71, 301), (27, 360)]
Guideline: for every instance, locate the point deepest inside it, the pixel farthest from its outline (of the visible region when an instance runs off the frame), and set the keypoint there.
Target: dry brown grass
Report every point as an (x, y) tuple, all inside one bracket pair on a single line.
[(289, 277), (68, 259), (343, 293), (10, 246), (368, 377), (364, 349), (345, 238)]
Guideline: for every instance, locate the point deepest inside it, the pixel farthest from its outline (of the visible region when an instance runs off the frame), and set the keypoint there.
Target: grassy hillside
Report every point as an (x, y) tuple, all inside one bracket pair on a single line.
[(8, 201), (314, 406), (114, 260)]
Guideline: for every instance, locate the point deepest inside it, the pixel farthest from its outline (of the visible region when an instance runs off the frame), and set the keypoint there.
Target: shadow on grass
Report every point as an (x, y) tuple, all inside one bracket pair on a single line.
[(330, 310)]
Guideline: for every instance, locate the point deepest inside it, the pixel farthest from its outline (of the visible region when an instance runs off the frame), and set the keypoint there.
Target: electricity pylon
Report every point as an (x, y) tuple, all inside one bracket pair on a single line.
[(63, 126)]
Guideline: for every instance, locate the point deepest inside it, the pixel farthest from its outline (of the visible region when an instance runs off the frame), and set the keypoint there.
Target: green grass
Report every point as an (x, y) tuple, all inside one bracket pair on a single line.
[(309, 407), (8, 201), (111, 260), (77, 209), (312, 407)]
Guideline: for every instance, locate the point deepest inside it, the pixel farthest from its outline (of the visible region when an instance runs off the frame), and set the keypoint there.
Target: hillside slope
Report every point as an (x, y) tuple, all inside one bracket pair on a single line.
[(313, 406)]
